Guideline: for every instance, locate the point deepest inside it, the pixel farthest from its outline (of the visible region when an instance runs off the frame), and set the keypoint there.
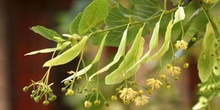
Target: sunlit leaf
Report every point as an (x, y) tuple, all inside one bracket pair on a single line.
[(47, 33), (68, 55), (93, 14), (206, 58), (119, 54), (135, 52)]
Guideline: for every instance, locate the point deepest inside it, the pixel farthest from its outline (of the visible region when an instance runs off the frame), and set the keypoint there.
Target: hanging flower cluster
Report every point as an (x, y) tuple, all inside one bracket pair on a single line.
[(129, 95), (181, 45)]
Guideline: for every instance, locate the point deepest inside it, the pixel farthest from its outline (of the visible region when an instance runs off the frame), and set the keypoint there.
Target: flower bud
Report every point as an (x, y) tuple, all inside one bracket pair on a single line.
[(66, 82), (162, 76), (63, 89), (140, 92), (114, 98), (70, 92), (87, 104), (25, 89), (194, 39), (46, 102), (97, 102), (106, 104), (37, 99), (186, 65)]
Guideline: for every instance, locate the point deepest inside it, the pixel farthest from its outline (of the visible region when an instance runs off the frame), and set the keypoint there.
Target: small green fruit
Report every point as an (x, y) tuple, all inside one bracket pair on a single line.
[(25, 89), (70, 92), (97, 102), (46, 102)]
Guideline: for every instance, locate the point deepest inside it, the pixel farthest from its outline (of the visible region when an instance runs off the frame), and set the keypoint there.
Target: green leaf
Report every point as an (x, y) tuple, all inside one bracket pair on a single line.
[(166, 43), (47, 33), (119, 54), (114, 37), (96, 59), (197, 23), (73, 29), (68, 55), (93, 14), (119, 19), (206, 59), (116, 18), (147, 8), (130, 59)]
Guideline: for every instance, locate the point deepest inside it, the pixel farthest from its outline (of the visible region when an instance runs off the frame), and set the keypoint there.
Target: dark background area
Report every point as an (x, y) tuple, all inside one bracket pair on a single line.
[(20, 16)]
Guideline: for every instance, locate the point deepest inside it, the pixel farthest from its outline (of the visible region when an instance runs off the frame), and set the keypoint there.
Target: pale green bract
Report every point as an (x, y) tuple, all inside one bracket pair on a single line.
[(135, 52), (166, 43), (119, 54), (96, 59), (179, 15), (153, 43), (60, 46), (202, 104), (68, 55), (206, 59)]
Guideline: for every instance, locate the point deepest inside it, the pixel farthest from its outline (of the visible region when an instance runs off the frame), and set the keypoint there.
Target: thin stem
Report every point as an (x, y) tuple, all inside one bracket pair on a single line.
[(182, 29), (45, 78), (165, 5), (80, 60), (206, 13)]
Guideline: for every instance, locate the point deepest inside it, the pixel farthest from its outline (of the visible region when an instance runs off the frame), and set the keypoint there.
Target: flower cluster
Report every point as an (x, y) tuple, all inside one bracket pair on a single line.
[(154, 83), (173, 70), (128, 95), (41, 89), (86, 91), (181, 45)]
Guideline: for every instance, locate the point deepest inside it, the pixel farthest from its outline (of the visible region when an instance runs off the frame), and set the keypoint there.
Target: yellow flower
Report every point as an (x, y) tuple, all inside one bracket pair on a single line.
[(176, 70), (173, 70), (154, 83), (141, 100), (127, 94), (181, 45)]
